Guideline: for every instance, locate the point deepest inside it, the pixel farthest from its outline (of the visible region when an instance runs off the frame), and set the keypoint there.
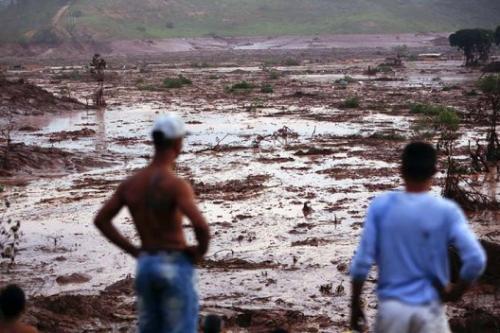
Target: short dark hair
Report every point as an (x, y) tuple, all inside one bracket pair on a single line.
[(419, 161), (161, 142), (213, 324), (12, 302)]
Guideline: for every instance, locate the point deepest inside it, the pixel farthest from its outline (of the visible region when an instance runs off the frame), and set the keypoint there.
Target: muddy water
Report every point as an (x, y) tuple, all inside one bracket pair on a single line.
[(56, 214), (286, 257)]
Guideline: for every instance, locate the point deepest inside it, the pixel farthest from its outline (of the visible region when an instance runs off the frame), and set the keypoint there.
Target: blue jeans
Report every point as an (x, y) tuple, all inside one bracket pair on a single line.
[(166, 292)]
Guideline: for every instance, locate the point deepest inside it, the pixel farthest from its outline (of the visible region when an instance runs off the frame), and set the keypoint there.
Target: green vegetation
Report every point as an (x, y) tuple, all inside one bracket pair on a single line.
[(437, 115), (475, 43), (497, 35), (177, 82), (120, 19), (490, 85), (351, 102), (242, 86), (266, 88)]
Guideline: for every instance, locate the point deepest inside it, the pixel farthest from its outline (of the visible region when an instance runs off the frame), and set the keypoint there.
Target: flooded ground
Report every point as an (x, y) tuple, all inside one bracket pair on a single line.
[(254, 158)]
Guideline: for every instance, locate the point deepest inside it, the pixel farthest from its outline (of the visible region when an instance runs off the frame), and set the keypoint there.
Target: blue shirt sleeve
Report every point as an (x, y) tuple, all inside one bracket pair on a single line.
[(365, 254), (470, 250)]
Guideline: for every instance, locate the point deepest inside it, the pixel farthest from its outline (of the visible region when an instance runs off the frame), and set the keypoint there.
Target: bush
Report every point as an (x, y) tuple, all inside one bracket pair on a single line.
[(169, 25), (448, 118), (490, 85), (441, 116), (351, 102), (177, 82), (240, 86), (266, 88)]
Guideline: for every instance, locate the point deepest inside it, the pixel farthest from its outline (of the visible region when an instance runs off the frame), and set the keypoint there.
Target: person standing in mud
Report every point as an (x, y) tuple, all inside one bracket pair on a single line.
[(407, 235), (158, 200)]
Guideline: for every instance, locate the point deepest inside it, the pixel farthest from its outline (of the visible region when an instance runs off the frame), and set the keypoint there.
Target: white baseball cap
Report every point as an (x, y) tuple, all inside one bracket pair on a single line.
[(171, 126)]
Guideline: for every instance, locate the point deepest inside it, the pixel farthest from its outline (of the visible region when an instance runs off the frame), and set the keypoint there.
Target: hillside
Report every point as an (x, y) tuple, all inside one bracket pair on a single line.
[(53, 20)]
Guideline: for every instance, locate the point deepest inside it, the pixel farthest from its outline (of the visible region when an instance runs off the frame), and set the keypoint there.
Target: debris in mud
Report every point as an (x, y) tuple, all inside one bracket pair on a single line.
[(469, 199), (315, 151), (232, 189), (313, 241), (236, 263), (76, 313), (98, 184), (20, 97), (264, 320), (475, 321), (71, 135), (73, 278)]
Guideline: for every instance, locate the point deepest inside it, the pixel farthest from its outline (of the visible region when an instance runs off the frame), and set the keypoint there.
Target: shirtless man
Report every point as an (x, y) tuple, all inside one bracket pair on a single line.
[(12, 306), (157, 200)]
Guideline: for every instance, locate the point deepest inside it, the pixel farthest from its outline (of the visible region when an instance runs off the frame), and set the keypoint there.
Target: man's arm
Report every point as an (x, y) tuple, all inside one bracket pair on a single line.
[(103, 222), (360, 267), (187, 205), (471, 254)]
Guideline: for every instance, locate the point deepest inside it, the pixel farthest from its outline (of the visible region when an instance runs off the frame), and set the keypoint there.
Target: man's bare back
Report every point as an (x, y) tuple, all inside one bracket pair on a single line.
[(152, 196), (158, 200)]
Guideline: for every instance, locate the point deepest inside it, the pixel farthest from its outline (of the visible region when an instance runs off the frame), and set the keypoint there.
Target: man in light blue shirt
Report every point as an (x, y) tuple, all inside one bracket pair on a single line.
[(407, 235)]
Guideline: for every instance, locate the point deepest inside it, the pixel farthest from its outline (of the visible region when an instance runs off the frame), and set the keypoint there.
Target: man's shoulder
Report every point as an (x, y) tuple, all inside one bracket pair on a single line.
[(446, 204), (384, 199)]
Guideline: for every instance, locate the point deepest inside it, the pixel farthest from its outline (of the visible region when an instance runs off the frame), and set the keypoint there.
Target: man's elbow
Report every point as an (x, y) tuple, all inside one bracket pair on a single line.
[(474, 267), (100, 222)]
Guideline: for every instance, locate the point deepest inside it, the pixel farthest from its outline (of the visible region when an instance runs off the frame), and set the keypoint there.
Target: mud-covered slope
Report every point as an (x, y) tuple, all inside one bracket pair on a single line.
[(51, 21), (23, 98)]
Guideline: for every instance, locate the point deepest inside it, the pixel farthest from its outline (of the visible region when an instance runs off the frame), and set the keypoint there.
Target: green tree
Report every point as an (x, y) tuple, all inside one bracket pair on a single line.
[(475, 43), (497, 36)]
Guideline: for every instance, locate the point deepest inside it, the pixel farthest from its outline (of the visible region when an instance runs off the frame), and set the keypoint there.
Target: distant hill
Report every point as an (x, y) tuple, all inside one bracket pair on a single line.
[(56, 20)]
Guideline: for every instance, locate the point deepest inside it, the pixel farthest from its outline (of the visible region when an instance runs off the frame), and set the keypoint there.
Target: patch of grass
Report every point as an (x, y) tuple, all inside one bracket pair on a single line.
[(448, 118), (428, 109), (440, 116), (177, 82), (242, 86), (266, 88), (351, 102)]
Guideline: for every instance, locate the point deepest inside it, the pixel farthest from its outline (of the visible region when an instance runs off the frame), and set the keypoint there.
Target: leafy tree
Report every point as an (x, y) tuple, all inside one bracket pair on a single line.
[(497, 36), (476, 44)]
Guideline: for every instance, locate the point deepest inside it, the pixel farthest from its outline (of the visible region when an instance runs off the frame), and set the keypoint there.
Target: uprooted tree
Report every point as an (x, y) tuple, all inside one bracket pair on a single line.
[(475, 43)]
